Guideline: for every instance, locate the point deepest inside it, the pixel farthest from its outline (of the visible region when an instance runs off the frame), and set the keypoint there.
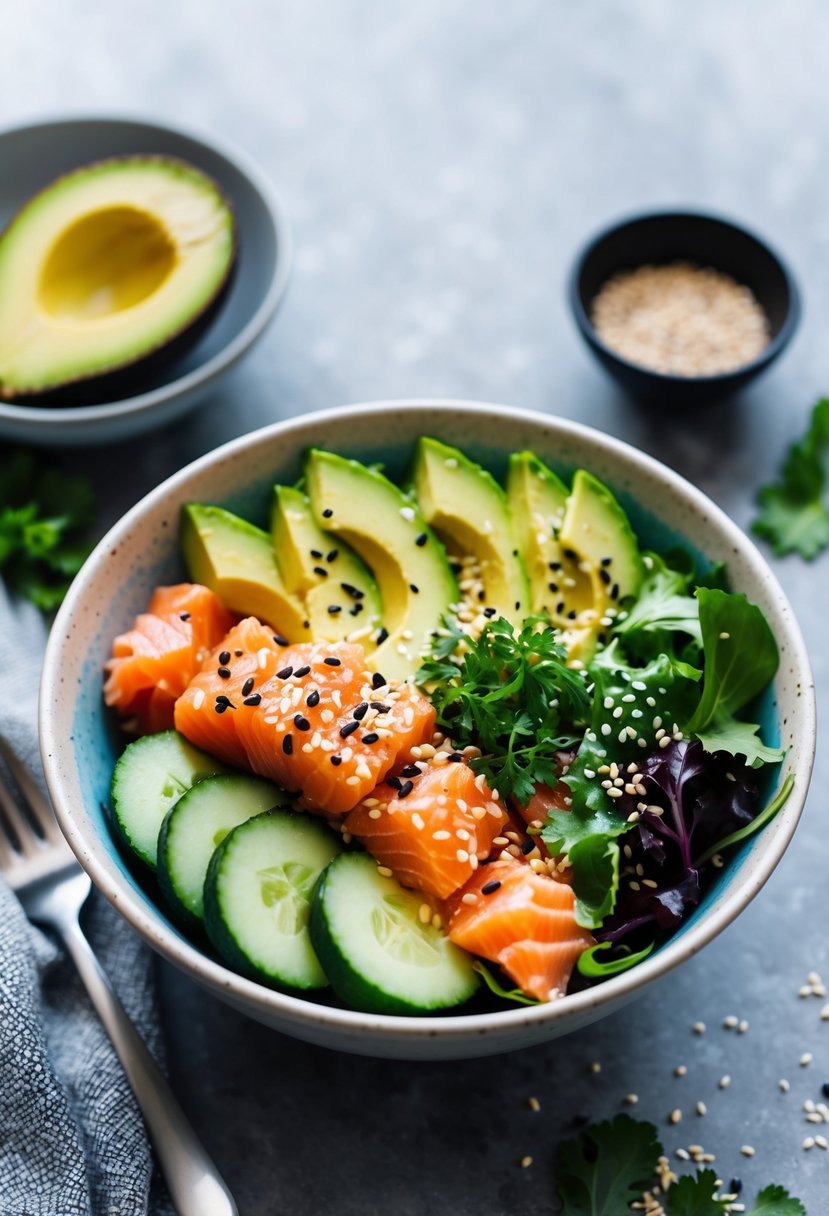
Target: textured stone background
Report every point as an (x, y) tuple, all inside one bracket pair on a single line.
[(441, 166)]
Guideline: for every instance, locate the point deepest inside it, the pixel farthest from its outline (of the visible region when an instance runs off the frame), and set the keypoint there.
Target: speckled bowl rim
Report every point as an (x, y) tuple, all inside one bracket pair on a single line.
[(577, 1007), (65, 419)]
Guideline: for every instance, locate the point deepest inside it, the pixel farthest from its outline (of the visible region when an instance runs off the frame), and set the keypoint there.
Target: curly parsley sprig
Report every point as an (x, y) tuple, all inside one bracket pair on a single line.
[(512, 695)]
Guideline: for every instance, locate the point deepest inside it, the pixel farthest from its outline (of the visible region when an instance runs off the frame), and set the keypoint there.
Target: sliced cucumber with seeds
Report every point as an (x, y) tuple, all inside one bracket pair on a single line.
[(152, 774), (197, 824), (376, 952), (257, 897)]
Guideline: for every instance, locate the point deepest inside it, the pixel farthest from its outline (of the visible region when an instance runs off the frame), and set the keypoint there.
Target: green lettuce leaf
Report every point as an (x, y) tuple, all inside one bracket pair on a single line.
[(595, 862)]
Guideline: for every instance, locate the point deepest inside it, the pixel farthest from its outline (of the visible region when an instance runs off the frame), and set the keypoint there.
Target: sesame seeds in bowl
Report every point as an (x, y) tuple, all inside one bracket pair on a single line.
[(682, 307)]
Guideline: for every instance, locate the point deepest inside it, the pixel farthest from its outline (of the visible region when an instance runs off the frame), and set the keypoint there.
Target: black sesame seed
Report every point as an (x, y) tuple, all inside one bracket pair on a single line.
[(361, 711), (489, 888), (455, 567), (222, 699), (288, 745), (394, 782), (330, 557), (348, 729), (606, 561), (517, 605), (224, 672), (254, 699), (380, 707), (553, 587), (572, 614), (371, 737), (238, 653), (332, 662), (377, 680), (527, 847), (321, 571), (247, 687), (481, 596), (405, 789), (317, 554), (280, 641), (284, 673), (220, 707), (413, 587), (336, 761), (411, 770), (555, 565), (570, 554), (824, 1089), (735, 1186), (515, 553), (303, 671), (604, 575), (455, 757), (356, 610), (420, 540), (224, 657), (306, 624), (313, 698), (301, 723), (334, 609), (327, 513), (381, 636), (490, 612), (184, 616), (560, 606), (614, 591), (354, 592)]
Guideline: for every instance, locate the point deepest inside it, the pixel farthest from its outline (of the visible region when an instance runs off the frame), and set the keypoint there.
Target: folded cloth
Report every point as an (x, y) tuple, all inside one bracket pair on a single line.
[(72, 1141)]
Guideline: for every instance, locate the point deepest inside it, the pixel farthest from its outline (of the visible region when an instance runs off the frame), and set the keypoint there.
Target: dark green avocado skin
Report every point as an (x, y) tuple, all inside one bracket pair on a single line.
[(153, 370)]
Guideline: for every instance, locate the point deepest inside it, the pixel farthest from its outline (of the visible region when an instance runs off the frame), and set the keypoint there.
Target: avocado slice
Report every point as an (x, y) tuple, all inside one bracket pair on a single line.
[(579, 548), (236, 560), (387, 530), (469, 511), (340, 595), (105, 267)]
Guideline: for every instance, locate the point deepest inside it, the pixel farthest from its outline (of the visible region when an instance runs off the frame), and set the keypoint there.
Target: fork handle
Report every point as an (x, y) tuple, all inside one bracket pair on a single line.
[(195, 1185)]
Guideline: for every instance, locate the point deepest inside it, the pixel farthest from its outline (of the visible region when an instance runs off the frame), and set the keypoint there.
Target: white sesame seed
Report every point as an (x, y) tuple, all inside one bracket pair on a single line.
[(595, 1066), (384, 871), (606, 729), (747, 1150), (526, 1162), (822, 1142), (806, 1059), (631, 1099), (198, 698), (724, 637), (698, 1027), (808, 1143), (675, 1116), (783, 1085), (534, 1104), (665, 742), (470, 898), (680, 1070), (814, 1117), (730, 1022), (618, 711), (724, 1082), (824, 1014), (701, 1108), (608, 702), (375, 814), (441, 834), (742, 1026), (683, 1154), (462, 855)]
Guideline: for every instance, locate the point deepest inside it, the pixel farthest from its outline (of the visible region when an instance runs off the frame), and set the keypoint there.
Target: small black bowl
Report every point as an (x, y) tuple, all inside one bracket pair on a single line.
[(705, 240)]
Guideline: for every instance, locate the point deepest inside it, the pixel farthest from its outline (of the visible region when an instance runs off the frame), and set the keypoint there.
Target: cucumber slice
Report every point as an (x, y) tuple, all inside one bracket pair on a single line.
[(151, 774), (257, 897), (197, 824), (376, 952)]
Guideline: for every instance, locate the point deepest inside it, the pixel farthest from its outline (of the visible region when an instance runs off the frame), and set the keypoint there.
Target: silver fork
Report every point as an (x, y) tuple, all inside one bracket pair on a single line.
[(51, 886)]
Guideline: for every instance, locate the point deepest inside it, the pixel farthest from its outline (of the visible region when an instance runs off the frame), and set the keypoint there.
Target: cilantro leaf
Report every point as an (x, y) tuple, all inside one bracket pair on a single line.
[(43, 517), (776, 1201), (595, 862), (511, 694), (741, 658), (607, 1167), (794, 516), (663, 606), (693, 1195)]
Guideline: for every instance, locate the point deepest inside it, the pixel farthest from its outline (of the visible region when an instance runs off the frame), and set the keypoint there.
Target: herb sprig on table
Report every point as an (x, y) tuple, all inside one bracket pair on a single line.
[(611, 1165), (512, 695), (44, 518), (794, 512)]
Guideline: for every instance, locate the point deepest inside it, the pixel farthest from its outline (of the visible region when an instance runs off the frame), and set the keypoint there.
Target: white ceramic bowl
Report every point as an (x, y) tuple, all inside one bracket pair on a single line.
[(79, 742), (33, 156)]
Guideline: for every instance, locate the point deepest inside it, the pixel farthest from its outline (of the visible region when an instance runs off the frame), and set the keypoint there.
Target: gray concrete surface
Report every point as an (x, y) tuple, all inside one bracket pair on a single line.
[(442, 161)]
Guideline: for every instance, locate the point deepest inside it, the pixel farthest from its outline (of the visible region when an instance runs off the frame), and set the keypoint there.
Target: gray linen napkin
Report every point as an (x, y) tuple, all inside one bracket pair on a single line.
[(72, 1142)]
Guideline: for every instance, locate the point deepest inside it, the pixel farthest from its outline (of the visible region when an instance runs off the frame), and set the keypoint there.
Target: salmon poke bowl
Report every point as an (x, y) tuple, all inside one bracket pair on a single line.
[(427, 729)]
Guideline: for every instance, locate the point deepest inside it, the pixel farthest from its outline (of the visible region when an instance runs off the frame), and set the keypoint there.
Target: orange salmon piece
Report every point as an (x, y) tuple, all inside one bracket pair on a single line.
[(153, 662), (431, 830), (523, 921), (302, 731), (212, 709)]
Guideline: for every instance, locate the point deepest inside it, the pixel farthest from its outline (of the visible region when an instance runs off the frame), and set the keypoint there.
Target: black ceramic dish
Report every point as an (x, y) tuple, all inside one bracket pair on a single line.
[(706, 240)]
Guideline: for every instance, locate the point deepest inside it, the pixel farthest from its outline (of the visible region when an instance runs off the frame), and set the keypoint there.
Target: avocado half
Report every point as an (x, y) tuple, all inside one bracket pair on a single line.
[(109, 267)]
